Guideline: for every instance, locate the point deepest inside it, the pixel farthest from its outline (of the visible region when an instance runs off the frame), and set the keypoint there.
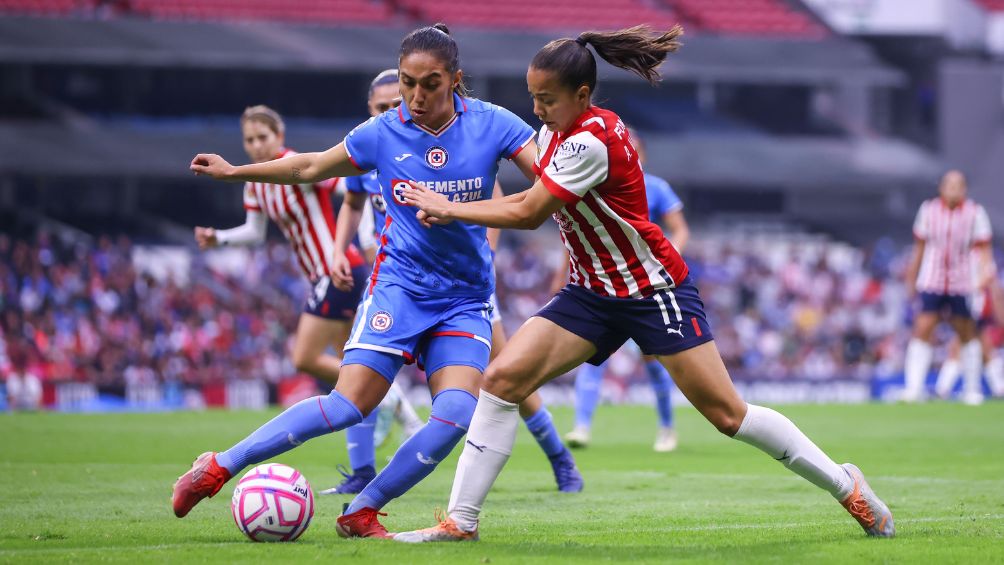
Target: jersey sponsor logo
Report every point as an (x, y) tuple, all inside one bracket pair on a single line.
[(397, 188), (402, 157), (381, 321), (436, 157)]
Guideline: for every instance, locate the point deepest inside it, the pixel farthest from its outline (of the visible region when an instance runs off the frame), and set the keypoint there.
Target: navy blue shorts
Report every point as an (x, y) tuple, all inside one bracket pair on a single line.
[(326, 301), (667, 322), (957, 304)]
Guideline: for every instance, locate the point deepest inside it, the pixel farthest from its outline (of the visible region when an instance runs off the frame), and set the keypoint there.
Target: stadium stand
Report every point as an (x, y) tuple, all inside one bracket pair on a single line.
[(314, 11), (750, 17)]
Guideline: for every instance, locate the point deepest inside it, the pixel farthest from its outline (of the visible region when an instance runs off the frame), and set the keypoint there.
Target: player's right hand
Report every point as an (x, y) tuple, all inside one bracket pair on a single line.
[(206, 237), (341, 272), (212, 165)]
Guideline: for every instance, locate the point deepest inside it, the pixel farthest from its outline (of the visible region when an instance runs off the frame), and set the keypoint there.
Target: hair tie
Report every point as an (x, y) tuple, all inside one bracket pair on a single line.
[(581, 41)]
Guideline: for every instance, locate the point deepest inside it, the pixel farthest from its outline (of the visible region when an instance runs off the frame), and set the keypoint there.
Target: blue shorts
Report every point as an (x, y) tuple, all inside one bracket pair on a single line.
[(496, 315), (395, 326), (957, 304), (667, 322), (326, 301)]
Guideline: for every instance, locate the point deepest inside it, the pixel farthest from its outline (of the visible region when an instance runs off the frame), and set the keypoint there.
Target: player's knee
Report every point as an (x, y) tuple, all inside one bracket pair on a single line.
[(502, 381), (725, 421), (455, 406)]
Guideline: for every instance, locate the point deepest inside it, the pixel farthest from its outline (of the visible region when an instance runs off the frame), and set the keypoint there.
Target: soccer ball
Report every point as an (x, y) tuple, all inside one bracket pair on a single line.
[(273, 502)]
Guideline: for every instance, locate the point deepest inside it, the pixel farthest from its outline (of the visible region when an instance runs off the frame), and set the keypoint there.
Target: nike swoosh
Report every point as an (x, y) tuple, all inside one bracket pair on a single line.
[(400, 158)]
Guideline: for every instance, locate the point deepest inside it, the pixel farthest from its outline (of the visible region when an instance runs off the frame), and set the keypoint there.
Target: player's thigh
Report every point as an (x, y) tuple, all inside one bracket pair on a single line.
[(701, 376), (964, 327), (460, 377), (314, 334), (539, 351), (362, 386)]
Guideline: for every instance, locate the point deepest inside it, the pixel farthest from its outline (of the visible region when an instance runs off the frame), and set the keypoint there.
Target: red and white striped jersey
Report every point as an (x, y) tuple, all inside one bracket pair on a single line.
[(949, 235), (614, 249), (304, 214)]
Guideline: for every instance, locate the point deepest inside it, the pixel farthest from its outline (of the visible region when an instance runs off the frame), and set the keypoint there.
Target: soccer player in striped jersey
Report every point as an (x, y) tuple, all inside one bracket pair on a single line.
[(947, 229), (427, 299), (303, 212), (627, 282), (666, 209)]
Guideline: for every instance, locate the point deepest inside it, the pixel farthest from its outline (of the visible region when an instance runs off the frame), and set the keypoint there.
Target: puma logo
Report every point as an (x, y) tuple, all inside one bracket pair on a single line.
[(480, 448), (678, 330)]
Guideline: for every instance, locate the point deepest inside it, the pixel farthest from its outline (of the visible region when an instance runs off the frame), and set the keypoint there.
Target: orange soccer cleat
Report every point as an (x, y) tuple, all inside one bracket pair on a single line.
[(205, 478), (445, 530), (873, 515)]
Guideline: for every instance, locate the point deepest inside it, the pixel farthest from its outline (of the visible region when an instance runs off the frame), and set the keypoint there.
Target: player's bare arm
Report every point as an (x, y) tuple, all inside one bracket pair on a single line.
[(295, 169), (347, 225), (527, 212)]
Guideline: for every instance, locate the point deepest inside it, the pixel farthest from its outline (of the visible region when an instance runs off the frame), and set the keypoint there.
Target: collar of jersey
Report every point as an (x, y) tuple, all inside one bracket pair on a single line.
[(282, 153), (459, 106), (577, 122)]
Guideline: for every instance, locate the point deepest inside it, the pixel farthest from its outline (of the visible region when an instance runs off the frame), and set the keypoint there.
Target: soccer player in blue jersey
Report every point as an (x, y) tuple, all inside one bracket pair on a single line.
[(666, 209), (428, 296)]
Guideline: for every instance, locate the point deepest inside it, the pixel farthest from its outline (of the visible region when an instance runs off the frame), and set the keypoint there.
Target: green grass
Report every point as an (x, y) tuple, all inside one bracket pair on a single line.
[(97, 488)]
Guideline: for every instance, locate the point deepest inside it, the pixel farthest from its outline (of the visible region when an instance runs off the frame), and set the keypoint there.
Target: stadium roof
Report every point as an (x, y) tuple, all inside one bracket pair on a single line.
[(487, 53)]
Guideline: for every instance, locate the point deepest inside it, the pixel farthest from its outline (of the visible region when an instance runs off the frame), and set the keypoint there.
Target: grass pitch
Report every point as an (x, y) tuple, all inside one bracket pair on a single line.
[(88, 488)]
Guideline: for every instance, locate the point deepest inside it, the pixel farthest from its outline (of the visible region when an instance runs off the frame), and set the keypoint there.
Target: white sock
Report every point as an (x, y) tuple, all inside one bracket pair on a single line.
[(488, 446), (995, 375), (405, 412), (777, 436), (918, 363), (971, 357), (947, 377)]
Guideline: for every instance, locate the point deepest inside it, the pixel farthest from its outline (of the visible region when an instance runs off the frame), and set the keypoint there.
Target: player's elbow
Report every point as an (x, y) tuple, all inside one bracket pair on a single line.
[(531, 219)]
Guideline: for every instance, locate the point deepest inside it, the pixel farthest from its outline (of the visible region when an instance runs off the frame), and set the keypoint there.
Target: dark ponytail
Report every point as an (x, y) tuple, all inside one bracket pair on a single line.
[(635, 49), (435, 39)]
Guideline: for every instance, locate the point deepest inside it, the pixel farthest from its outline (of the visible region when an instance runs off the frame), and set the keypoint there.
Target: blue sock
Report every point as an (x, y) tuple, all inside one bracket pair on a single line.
[(661, 384), (587, 393), (542, 427), (304, 420), (416, 458), (359, 442)]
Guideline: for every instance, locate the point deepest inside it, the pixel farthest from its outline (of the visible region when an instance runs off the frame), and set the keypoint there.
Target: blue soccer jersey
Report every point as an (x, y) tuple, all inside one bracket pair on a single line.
[(369, 184), (460, 160), (661, 198)]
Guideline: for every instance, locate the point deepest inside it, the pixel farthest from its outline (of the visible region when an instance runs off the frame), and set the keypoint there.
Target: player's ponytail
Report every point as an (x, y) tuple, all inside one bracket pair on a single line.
[(636, 49), (435, 39)]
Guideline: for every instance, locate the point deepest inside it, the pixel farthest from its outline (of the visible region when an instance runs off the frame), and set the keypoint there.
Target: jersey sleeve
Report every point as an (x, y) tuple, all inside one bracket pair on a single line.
[(251, 198), (540, 147), (982, 232), (672, 201), (514, 133), (354, 184), (920, 230), (363, 143), (578, 164)]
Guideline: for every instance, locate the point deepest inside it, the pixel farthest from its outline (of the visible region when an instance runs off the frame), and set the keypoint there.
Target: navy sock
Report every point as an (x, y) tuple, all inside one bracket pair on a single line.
[(541, 425), (359, 442), (661, 384), (418, 457), (300, 422), (587, 393)]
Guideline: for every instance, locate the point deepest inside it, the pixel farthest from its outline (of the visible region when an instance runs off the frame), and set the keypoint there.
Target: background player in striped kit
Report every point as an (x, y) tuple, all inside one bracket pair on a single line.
[(303, 212), (947, 229), (666, 209), (626, 281)]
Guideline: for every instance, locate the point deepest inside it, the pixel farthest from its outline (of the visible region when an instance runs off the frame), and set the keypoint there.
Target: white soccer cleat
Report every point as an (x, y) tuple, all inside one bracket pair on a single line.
[(445, 530), (867, 508), (579, 437), (665, 440)]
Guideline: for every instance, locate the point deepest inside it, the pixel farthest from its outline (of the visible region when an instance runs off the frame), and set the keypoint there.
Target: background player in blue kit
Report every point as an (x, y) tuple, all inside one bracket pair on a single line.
[(665, 209), (428, 296)]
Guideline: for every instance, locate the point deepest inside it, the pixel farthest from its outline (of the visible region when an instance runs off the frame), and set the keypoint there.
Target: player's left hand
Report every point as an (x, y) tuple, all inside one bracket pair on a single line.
[(434, 208)]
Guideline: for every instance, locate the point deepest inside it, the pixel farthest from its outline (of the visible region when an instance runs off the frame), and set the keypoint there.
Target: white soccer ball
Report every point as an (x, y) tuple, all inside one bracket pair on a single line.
[(273, 502)]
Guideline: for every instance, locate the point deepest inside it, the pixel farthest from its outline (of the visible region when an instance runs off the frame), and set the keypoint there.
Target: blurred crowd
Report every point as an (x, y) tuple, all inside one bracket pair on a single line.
[(83, 311), (108, 311)]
